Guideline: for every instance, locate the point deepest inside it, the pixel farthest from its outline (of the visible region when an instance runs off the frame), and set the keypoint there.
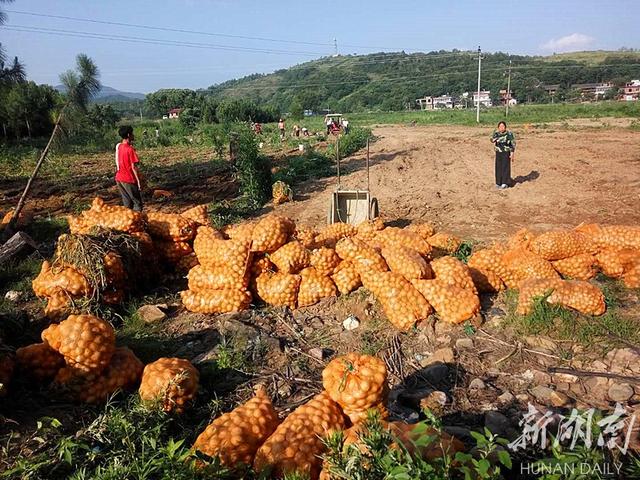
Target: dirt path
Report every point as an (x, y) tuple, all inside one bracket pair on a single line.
[(444, 174)]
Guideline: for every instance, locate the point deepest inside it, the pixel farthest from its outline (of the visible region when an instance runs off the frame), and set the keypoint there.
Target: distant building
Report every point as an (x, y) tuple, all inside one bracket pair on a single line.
[(425, 103), (443, 101), (174, 112), (631, 91), (484, 99), (595, 89), (507, 98), (551, 89)]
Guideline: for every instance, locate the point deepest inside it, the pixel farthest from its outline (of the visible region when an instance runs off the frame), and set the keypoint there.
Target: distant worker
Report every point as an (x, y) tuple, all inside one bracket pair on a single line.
[(257, 128), (305, 132), (127, 174), (505, 146), (282, 129), (345, 125), (157, 132), (328, 122), (296, 131)]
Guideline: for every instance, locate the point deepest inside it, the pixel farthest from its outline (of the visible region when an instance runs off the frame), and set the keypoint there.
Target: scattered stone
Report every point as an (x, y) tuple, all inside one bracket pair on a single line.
[(151, 314), (599, 366), (461, 433), (442, 355), (12, 296), (522, 397), (284, 390), (547, 396), (624, 358), (443, 340), (436, 374), (162, 306), (540, 377), (477, 384), (435, 402), (319, 353), (464, 344), (564, 378), (506, 398), (620, 392), (351, 323), (597, 387), (499, 424)]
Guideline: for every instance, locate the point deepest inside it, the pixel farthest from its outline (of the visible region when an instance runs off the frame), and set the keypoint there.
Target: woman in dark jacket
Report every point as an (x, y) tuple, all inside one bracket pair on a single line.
[(505, 146)]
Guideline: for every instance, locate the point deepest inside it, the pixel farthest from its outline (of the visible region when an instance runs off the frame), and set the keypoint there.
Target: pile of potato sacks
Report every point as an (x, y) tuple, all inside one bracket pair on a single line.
[(79, 357), (165, 239), (254, 435), (409, 270)]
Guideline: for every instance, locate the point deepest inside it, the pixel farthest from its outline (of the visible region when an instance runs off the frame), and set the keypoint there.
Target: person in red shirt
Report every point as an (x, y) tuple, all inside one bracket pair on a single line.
[(127, 175)]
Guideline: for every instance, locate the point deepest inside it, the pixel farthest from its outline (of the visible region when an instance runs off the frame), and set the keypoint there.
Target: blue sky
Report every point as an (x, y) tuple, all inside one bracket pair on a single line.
[(523, 27)]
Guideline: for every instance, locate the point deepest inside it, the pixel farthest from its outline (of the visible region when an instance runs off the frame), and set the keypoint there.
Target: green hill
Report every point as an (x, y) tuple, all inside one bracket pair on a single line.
[(392, 81)]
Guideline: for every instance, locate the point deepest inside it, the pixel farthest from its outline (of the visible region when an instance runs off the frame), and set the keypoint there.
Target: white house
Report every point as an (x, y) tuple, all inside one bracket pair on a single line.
[(485, 98), (425, 103), (443, 101)]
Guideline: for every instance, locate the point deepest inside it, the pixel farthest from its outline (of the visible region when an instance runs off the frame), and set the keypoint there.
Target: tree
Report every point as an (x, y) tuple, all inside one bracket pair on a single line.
[(80, 86), (296, 109)]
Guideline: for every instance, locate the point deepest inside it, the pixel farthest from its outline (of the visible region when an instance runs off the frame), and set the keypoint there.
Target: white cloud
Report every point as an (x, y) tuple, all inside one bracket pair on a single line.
[(568, 43)]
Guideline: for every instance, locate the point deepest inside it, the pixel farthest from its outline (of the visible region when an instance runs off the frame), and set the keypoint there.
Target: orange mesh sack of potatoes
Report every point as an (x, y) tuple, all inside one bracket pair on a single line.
[(68, 279), (403, 305), (534, 288), (452, 303), (425, 230), (122, 373), (171, 251), (173, 382), (86, 342), (306, 236), (561, 244), (186, 263), (314, 287), (488, 260), (198, 215), (279, 289), (614, 262), (578, 267), (346, 277), (368, 229), (357, 383), (291, 257), (486, 281), (405, 261), (452, 271), (444, 242), (631, 276), (39, 361), (579, 295), (239, 231), (365, 258), (521, 239), (406, 238), (59, 306), (232, 255), (171, 226), (236, 436), (106, 216), (216, 278), (331, 234), (523, 264), (271, 233), (281, 192), (225, 300), (325, 260), (114, 269), (297, 444), (613, 236)]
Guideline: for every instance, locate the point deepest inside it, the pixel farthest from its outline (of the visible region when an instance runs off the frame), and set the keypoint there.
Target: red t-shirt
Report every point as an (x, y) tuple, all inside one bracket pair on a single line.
[(125, 159)]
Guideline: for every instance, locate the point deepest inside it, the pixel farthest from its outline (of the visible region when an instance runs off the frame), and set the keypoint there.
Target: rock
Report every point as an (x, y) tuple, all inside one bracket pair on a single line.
[(621, 359), (411, 398), (437, 374), (540, 377), (351, 323), (151, 314), (461, 433), (464, 344), (435, 402), (477, 384), (499, 424), (522, 397), (319, 353), (496, 312), (598, 366), (620, 392), (547, 396), (506, 398), (12, 296), (563, 378), (162, 306), (284, 390), (597, 387), (442, 355)]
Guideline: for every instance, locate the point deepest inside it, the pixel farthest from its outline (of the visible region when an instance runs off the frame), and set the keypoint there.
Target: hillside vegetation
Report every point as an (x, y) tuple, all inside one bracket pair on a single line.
[(392, 81)]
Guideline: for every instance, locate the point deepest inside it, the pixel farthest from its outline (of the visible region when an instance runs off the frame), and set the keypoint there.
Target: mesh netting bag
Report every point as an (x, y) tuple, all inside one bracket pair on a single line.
[(171, 251), (579, 295), (39, 361), (522, 264), (612, 236), (331, 234), (281, 192), (233, 255), (561, 244), (614, 261), (425, 230), (368, 229), (235, 437), (279, 289), (172, 382), (215, 278), (51, 280), (325, 260), (291, 257), (314, 287), (362, 255), (171, 226), (406, 261), (533, 288), (271, 233), (297, 444), (224, 300), (452, 303), (239, 231), (452, 271), (306, 236), (198, 215), (578, 267), (111, 217), (346, 277), (445, 242), (407, 238)]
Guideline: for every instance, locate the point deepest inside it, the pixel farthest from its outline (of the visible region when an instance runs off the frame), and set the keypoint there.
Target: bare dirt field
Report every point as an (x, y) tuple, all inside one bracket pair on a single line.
[(445, 174)]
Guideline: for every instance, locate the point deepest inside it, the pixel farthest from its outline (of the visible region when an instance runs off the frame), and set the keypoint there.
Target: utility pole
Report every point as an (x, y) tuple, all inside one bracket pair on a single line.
[(479, 67), (335, 47), (508, 89)]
